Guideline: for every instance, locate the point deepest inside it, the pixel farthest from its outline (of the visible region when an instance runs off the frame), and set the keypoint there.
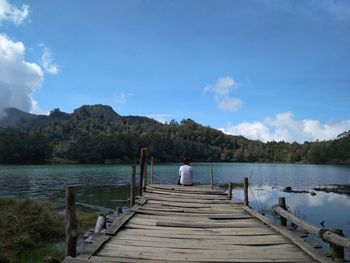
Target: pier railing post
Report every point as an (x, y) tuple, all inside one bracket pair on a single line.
[(144, 181), (282, 204), (337, 252), (133, 186), (71, 223), (152, 160), (143, 169), (211, 177), (229, 191), (246, 185)]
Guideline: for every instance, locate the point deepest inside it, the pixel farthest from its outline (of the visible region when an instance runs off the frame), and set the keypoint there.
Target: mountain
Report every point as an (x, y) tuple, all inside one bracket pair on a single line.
[(98, 134), (101, 114), (14, 116)]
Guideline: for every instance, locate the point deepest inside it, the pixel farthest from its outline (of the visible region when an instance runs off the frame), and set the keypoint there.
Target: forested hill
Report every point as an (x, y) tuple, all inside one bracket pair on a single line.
[(97, 134)]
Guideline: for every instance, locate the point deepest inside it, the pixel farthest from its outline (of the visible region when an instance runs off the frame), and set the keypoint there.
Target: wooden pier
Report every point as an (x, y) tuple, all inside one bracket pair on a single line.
[(171, 223)]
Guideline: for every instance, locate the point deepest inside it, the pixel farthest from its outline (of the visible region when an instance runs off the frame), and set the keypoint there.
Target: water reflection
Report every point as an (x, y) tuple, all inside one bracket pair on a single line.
[(329, 208)]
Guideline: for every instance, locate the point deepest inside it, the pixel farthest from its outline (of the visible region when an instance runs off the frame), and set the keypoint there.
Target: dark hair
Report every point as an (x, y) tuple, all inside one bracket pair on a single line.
[(186, 161)]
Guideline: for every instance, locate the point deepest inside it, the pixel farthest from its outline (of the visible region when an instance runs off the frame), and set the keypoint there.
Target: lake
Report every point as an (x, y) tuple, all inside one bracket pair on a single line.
[(104, 187)]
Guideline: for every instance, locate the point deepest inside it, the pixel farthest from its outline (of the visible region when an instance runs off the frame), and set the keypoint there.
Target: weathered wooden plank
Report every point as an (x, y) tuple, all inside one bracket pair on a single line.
[(118, 223), (201, 253), (181, 189), (193, 188), (142, 245), (227, 216), (211, 210), (140, 259), (152, 219), (222, 231), (202, 241), (198, 210), (201, 217), (208, 225), (188, 200), (213, 232), (186, 195), (93, 247), (295, 239), (189, 203), (196, 215)]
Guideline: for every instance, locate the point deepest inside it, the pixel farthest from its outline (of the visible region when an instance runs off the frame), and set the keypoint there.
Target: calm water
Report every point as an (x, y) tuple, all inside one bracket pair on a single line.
[(43, 182), (103, 187)]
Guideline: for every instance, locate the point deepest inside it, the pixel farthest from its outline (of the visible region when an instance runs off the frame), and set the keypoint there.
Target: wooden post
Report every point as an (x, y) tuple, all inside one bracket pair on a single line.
[(132, 186), (282, 203), (143, 161), (246, 185), (71, 223), (144, 181), (152, 160), (229, 191), (211, 177), (337, 252), (119, 211)]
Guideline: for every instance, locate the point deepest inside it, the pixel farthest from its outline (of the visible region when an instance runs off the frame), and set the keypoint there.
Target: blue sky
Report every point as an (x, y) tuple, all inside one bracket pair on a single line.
[(268, 70)]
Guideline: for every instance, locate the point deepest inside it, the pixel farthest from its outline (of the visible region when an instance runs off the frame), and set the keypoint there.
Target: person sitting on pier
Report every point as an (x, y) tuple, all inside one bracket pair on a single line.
[(185, 174)]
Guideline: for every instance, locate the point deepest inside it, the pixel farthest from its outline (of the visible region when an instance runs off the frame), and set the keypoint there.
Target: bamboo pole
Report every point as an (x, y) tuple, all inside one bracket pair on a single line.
[(152, 160), (282, 203), (324, 234), (143, 161), (211, 177), (71, 223), (132, 186), (246, 185), (229, 191)]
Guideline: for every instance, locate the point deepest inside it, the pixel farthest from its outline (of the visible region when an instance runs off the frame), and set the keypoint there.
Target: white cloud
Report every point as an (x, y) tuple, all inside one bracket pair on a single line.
[(161, 117), (121, 97), (283, 127), (230, 104), (222, 90), (167, 117), (18, 78), (13, 14), (47, 61)]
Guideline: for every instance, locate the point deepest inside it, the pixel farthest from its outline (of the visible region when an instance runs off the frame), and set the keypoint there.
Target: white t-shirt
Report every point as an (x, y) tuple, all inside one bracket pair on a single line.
[(185, 173)]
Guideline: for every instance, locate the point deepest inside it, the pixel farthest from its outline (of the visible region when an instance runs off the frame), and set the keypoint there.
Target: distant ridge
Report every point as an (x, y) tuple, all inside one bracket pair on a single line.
[(16, 118), (98, 134)]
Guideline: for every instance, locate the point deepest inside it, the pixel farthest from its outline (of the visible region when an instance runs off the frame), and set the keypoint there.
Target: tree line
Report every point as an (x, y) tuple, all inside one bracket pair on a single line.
[(98, 135)]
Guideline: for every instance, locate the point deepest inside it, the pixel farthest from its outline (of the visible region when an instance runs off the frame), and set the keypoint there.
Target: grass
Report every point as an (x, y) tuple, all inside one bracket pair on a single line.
[(29, 231), (86, 220)]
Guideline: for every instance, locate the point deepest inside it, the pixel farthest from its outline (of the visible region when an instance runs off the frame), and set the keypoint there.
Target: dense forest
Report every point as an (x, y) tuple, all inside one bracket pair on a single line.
[(97, 134)]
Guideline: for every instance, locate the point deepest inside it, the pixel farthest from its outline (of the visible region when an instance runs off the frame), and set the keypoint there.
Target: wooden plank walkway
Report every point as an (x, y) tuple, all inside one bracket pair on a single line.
[(195, 224)]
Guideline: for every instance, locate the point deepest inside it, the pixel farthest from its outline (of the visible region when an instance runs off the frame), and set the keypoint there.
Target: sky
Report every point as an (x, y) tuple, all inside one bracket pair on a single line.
[(267, 70)]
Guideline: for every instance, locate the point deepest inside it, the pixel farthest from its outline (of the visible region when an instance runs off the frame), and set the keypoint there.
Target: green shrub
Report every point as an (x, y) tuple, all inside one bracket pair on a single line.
[(26, 225)]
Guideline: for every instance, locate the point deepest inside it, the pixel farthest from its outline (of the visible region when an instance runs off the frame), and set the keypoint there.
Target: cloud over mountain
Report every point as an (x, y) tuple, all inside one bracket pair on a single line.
[(284, 127), (18, 78)]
